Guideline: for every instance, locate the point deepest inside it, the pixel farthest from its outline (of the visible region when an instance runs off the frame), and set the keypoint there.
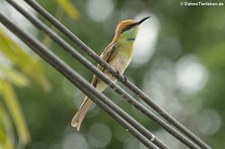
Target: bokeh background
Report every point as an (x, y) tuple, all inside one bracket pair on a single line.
[(179, 62)]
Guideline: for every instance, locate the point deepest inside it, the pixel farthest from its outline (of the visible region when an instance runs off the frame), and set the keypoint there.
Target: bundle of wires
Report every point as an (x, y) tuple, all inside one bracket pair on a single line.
[(159, 115)]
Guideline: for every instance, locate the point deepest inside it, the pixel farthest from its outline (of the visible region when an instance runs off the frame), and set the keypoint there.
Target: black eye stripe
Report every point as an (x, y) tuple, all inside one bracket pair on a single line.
[(128, 27)]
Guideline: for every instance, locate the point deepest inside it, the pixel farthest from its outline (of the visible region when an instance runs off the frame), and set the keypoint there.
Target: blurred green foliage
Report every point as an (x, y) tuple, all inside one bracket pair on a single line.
[(16, 68), (37, 103)]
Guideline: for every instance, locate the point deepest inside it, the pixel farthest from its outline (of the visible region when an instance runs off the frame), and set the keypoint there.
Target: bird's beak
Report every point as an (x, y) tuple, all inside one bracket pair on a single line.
[(142, 20)]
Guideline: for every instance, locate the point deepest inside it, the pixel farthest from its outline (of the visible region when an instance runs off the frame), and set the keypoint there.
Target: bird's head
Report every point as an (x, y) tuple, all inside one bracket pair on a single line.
[(128, 29)]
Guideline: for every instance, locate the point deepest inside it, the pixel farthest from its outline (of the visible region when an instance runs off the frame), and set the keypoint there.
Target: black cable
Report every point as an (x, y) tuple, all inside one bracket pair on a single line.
[(106, 104), (66, 46), (177, 135), (129, 84), (130, 99)]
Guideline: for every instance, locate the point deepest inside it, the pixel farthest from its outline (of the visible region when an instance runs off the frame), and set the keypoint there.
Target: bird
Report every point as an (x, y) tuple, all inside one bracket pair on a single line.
[(117, 54)]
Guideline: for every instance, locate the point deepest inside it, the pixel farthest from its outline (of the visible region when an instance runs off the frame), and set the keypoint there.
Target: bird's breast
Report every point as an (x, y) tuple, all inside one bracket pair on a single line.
[(122, 58)]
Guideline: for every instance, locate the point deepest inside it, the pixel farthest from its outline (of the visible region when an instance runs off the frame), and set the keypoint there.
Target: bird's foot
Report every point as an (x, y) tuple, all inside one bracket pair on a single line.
[(124, 77), (117, 73)]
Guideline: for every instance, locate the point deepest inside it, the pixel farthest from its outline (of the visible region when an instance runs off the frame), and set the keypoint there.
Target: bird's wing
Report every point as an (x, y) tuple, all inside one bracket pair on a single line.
[(107, 55), (109, 52)]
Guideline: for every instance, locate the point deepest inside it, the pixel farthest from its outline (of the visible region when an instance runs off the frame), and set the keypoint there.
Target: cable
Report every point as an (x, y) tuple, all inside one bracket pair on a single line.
[(128, 94), (129, 84), (138, 126), (130, 99), (106, 104)]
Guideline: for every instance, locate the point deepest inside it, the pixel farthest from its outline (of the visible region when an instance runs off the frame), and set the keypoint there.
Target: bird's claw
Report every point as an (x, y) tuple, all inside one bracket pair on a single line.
[(124, 77), (118, 73)]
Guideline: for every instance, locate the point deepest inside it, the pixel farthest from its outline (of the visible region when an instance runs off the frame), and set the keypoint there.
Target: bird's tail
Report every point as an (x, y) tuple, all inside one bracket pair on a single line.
[(79, 116)]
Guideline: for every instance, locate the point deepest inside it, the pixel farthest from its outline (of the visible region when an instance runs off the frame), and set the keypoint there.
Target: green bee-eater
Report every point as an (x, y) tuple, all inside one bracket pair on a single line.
[(117, 54)]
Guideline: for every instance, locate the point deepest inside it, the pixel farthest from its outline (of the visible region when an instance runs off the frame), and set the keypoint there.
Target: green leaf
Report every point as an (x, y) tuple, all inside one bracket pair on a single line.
[(28, 63), (69, 8), (15, 111), (6, 130), (14, 76)]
